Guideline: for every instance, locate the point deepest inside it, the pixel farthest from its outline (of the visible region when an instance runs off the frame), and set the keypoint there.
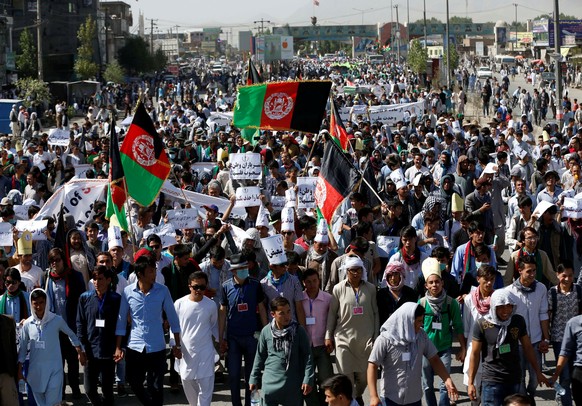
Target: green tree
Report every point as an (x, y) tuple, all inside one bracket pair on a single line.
[(158, 60), (26, 61), (417, 57), (460, 20), (135, 56), (454, 57), (432, 20), (114, 73), (33, 91), (85, 68)]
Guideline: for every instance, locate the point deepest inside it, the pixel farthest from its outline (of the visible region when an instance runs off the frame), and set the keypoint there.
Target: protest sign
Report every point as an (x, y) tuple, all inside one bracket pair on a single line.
[(572, 208), (245, 166), (306, 192), (273, 247), (248, 196), (6, 235), (277, 202), (199, 168), (386, 244), (81, 171), (184, 218), (36, 228), (59, 137), (165, 231), (290, 198), (21, 211)]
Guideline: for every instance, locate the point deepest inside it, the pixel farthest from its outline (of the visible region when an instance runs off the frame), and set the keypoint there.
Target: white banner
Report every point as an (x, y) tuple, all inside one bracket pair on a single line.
[(36, 228), (245, 166), (306, 192), (199, 168), (278, 202), (386, 244), (77, 197), (248, 196), (21, 211), (6, 235), (165, 231), (572, 208), (182, 219), (220, 119), (389, 114), (59, 137)]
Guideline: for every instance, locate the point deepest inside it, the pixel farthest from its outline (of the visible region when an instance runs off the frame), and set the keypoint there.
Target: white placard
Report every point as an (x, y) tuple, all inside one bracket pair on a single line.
[(81, 171), (199, 168), (274, 249), (248, 196), (165, 231), (59, 137), (183, 219), (386, 244), (245, 166), (572, 208), (290, 198), (306, 192), (21, 211), (278, 202), (6, 235), (36, 228)]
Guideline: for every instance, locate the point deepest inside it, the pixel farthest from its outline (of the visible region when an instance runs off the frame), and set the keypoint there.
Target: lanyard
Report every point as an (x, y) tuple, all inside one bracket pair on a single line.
[(357, 294), (240, 297), (101, 304), (311, 308), (38, 327)]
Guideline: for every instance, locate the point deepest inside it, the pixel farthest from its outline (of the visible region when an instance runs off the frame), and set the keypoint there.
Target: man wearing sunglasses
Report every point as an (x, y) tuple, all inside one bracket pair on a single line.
[(198, 317)]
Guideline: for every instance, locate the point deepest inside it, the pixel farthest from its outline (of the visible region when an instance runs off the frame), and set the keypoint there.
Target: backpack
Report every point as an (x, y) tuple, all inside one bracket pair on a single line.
[(554, 296)]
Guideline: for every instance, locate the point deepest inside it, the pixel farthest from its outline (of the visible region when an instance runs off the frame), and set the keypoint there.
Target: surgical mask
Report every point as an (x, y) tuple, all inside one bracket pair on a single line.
[(478, 264), (443, 267), (242, 273), (12, 221)]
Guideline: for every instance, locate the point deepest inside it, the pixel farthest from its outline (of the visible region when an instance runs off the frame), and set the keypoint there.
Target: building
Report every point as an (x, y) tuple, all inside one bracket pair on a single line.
[(115, 20)]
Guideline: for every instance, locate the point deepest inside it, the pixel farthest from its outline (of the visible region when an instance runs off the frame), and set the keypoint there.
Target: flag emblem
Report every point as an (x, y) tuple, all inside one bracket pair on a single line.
[(320, 190), (143, 150), (278, 105)]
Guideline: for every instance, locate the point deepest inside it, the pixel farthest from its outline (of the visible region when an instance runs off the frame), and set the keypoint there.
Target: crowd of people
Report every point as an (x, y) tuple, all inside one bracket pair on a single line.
[(404, 272)]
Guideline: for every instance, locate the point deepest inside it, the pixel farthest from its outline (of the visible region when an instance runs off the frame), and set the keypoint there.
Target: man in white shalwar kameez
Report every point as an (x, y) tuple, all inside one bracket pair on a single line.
[(199, 323)]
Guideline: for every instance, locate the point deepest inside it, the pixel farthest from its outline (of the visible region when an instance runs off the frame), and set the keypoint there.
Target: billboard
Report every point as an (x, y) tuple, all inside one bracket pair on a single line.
[(328, 32), (244, 41), (570, 29), (417, 30), (271, 48)]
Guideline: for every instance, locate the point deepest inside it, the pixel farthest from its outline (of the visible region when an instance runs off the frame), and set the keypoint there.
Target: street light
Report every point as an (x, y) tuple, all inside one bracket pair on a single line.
[(362, 11)]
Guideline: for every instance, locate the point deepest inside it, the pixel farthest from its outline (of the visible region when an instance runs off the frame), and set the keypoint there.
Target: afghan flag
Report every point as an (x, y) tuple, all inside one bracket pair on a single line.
[(116, 195), (145, 162), (336, 128), (253, 75), (334, 183), (282, 106)]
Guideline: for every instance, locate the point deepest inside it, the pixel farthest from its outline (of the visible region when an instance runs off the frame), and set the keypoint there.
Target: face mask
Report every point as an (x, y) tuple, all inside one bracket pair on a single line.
[(172, 156), (100, 226), (242, 273), (478, 264), (443, 267), (12, 221)]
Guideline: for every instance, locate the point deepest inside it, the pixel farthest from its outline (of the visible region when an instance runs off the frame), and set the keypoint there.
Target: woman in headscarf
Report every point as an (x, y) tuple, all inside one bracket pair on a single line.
[(40, 333), (409, 254), (477, 304), (399, 350), (283, 359), (496, 339), (395, 293), (445, 192)]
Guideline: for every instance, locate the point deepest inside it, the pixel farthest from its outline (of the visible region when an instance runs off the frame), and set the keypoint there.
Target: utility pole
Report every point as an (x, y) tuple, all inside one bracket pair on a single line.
[(152, 24), (557, 44), (424, 17), (392, 27), (397, 33), (448, 64), (262, 21), (39, 40), (515, 43)]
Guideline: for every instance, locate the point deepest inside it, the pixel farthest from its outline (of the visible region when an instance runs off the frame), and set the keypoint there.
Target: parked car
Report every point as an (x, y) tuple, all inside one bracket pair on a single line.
[(484, 72)]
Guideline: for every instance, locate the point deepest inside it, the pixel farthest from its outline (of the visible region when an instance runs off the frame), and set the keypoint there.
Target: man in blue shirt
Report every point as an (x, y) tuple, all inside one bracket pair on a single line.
[(144, 301), (96, 322), (242, 299)]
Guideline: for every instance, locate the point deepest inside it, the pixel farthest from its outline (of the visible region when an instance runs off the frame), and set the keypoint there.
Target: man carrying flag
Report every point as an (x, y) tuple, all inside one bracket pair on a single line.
[(145, 162), (116, 195), (253, 75)]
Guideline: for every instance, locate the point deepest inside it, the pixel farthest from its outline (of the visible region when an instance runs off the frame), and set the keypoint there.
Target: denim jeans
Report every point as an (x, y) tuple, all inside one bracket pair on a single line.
[(565, 380), (239, 347), (532, 384), (428, 381), (492, 393)]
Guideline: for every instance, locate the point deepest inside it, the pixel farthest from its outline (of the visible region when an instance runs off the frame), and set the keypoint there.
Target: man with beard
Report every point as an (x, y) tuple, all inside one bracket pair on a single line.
[(320, 258)]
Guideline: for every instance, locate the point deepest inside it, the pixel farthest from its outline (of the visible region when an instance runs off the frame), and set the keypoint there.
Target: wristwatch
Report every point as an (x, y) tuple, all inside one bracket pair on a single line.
[(545, 340), (178, 347)]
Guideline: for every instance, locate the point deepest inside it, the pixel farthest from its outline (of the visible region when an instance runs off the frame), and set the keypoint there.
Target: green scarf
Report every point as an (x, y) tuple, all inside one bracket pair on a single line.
[(23, 306)]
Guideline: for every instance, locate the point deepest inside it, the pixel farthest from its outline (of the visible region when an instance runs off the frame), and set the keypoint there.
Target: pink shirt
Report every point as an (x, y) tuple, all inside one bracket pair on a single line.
[(316, 308)]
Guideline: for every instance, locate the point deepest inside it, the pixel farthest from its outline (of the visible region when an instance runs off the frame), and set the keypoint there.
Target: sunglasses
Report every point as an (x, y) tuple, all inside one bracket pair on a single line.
[(155, 247), (55, 260), (198, 287), (287, 232)]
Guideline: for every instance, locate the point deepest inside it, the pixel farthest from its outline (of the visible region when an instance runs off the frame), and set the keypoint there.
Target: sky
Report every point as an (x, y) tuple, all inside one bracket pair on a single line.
[(238, 15)]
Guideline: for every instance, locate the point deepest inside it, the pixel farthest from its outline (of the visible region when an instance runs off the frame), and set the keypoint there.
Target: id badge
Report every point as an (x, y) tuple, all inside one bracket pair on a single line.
[(504, 349), (310, 321), (437, 326), (39, 345), (405, 356), (358, 310), (100, 323), (242, 307)]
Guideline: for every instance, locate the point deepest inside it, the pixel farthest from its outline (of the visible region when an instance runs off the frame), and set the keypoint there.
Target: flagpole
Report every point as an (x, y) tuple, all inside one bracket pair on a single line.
[(128, 214)]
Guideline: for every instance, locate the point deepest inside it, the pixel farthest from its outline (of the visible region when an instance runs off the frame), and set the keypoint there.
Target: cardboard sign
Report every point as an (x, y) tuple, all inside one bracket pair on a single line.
[(81, 171), (36, 228), (59, 137), (183, 219), (6, 235), (245, 166), (21, 211), (248, 196), (166, 232), (572, 208), (306, 192)]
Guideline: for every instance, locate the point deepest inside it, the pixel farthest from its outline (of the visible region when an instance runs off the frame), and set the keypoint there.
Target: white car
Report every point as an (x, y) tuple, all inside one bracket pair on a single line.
[(484, 72)]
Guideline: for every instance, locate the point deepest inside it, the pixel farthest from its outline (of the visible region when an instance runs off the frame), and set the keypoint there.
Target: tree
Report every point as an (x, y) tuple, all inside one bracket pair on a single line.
[(417, 57), (26, 62), (159, 60), (454, 57), (33, 91), (135, 56), (85, 68), (432, 20), (460, 20), (114, 73)]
